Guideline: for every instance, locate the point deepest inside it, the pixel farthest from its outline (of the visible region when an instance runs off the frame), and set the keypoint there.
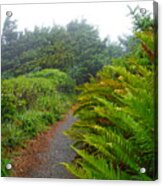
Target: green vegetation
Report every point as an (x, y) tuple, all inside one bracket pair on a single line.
[(40, 69), (31, 103), (114, 135), (76, 50)]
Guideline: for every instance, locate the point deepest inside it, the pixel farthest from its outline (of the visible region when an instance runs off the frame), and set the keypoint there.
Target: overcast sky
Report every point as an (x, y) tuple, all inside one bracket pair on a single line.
[(110, 17)]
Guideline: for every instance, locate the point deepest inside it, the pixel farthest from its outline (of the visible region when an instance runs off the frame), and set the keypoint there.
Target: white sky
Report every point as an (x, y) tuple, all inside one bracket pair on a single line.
[(110, 17)]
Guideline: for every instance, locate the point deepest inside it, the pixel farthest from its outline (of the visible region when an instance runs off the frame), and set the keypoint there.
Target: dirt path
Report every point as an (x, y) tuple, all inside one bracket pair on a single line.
[(41, 157)]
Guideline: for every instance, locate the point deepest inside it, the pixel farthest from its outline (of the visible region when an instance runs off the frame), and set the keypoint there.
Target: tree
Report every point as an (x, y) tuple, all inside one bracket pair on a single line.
[(77, 50), (141, 20), (9, 40), (9, 33)]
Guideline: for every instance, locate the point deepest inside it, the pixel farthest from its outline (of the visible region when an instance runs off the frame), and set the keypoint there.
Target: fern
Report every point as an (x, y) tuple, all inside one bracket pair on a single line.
[(114, 134)]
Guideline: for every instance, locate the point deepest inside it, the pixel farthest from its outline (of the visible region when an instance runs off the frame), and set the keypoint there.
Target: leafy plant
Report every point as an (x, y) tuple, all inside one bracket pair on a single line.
[(5, 172), (30, 104), (114, 134)]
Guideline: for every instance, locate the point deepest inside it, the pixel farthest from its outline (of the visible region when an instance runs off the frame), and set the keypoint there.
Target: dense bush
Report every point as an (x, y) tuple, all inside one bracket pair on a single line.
[(62, 81), (31, 103)]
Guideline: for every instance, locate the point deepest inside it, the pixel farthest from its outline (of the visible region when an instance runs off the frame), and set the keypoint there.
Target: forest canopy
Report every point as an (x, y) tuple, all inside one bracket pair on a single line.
[(75, 49)]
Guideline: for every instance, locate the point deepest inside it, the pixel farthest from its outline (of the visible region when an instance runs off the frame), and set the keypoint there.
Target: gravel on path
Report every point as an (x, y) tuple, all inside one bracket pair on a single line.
[(44, 163)]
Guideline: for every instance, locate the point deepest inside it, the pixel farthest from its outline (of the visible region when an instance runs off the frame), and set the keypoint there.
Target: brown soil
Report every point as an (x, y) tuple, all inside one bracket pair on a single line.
[(27, 158)]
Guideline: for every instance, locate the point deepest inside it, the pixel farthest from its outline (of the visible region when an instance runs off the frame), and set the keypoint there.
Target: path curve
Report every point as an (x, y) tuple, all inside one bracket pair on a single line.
[(44, 163)]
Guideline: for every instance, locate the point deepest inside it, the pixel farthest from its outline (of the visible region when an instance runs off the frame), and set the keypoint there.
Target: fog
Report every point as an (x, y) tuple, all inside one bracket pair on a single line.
[(109, 17)]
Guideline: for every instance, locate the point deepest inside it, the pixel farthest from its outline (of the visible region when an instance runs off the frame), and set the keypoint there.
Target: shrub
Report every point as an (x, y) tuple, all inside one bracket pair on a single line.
[(30, 104), (61, 80)]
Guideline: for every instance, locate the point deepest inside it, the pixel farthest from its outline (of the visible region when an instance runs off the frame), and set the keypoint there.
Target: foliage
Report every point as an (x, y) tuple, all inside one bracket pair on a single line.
[(4, 171), (30, 104), (76, 49), (114, 134), (62, 81), (142, 22), (141, 19)]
